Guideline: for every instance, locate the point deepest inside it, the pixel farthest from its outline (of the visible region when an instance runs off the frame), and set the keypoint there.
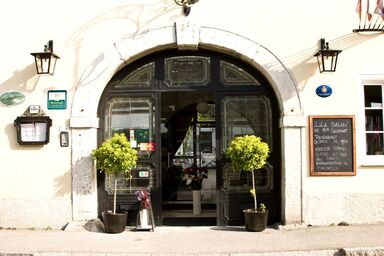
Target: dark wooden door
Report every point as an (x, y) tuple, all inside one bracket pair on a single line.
[(247, 114)]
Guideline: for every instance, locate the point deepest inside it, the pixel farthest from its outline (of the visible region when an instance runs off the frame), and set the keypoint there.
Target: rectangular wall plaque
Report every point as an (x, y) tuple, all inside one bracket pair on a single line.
[(332, 145), (57, 99)]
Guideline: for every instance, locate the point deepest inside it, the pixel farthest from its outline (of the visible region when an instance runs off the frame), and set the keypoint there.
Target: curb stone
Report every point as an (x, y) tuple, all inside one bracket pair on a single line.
[(16, 254), (379, 251), (374, 251), (339, 252)]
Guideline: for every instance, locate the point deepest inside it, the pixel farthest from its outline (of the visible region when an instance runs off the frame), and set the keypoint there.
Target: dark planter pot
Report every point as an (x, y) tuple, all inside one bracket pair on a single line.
[(255, 221), (114, 223)]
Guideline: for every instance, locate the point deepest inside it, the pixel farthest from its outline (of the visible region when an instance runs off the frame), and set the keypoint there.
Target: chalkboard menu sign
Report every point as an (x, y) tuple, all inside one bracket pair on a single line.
[(332, 145)]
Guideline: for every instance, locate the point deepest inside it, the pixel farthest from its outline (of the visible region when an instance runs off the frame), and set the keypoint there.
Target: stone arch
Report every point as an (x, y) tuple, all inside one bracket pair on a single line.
[(84, 120)]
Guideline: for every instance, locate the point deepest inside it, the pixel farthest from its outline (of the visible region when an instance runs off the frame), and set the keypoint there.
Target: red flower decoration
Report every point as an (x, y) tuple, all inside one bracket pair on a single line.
[(143, 196), (194, 176)]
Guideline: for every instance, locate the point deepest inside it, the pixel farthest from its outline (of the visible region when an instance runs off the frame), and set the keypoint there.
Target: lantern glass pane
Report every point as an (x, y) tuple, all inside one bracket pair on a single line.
[(327, 63), (52, 65), (45, 65)]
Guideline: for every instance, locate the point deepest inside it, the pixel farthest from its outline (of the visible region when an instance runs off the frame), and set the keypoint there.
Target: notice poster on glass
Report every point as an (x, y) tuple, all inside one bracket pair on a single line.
[(31, 132)]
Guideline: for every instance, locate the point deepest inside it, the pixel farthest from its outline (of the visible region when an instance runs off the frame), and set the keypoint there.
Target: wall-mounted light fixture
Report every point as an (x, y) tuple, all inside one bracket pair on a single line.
[(326, 58), (33, 126), (186, 4), (46, 61)]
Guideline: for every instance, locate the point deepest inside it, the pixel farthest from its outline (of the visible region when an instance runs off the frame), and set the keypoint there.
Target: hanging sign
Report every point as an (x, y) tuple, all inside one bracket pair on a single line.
[(324, 91), (57, 99)]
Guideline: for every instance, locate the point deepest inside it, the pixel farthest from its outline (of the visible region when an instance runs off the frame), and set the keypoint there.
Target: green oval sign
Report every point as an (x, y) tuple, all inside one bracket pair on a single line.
[(12, 98)]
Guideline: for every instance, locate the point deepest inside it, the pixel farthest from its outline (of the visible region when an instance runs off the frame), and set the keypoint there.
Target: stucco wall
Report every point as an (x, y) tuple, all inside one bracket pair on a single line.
[(38, 180)]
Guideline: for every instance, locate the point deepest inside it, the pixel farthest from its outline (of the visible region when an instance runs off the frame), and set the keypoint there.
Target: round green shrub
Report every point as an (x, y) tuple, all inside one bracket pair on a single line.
[(247, 153), (115, 155)]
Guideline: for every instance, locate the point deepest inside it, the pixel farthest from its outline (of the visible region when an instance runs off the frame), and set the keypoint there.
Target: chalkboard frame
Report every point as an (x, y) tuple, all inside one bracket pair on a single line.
[(347, 172)]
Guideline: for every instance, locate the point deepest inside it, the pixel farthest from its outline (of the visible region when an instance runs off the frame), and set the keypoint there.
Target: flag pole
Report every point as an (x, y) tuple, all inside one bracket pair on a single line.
[(381, 26), (368, 15), (374, 25), (358, 10), (379, 11), (365, 21)]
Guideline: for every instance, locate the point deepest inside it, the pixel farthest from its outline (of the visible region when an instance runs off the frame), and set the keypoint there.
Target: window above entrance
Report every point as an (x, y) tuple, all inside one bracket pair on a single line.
[(195, 71), (232, 75), (142, 77), (187, 70)]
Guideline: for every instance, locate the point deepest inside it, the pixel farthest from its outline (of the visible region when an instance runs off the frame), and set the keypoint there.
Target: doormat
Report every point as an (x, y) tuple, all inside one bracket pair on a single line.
[(209, 221)]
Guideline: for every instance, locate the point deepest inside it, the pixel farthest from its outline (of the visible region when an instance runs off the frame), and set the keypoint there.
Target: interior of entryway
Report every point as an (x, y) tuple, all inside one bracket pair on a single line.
[(188, 158)]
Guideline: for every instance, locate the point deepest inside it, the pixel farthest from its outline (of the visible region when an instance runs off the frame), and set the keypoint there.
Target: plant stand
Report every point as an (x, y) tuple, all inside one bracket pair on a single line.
[(144, 217), (196, 197)]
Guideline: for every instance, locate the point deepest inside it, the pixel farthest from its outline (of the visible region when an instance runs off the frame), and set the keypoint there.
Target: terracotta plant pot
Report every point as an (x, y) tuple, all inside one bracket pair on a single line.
[(114, 222), (255, 221)]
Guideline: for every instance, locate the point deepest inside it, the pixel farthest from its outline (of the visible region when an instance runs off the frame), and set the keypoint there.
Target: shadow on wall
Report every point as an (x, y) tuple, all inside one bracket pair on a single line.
[(304, 65), (133, 15), (63, 184), (24, 80)]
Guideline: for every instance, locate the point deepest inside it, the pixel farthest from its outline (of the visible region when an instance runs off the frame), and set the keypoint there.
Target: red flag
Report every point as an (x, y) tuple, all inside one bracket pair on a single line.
[(368, 14), (380, 8), (358, 8)]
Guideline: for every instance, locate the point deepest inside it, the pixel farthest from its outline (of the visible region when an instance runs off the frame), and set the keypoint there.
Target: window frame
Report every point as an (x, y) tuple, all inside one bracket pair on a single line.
[(368, 80)]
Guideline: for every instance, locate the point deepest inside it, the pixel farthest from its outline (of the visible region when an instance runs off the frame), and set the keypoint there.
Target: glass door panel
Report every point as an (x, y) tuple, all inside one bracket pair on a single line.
[(135, 117), (246, 115), (243, 115)]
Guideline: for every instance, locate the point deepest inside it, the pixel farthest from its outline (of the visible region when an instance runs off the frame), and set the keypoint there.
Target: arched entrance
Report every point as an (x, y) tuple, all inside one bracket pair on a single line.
[(84, 120), (180, 110)]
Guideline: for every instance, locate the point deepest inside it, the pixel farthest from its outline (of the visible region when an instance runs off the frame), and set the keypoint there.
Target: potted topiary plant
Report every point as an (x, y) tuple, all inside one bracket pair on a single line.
[(115, 156), (249, 153)]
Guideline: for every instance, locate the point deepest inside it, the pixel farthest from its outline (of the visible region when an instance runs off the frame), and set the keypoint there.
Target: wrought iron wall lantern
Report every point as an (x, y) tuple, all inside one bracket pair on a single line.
[(326, 58), (46, 61), (33, 127), (186, 4)]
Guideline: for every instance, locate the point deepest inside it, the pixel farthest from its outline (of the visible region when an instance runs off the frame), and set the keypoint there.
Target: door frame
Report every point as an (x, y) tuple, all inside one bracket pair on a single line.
[(217, 88), (84, 121)]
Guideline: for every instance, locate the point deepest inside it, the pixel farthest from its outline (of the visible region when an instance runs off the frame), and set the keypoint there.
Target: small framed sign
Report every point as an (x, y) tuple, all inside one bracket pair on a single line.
[(34, 109), (57, 99)]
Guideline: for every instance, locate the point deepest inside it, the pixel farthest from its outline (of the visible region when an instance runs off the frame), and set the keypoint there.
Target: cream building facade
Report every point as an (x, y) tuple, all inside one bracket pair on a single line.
[(50, 186)]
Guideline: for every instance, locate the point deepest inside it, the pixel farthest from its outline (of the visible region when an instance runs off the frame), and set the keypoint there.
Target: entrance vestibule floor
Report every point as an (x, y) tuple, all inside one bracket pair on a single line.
[(187, 218)]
